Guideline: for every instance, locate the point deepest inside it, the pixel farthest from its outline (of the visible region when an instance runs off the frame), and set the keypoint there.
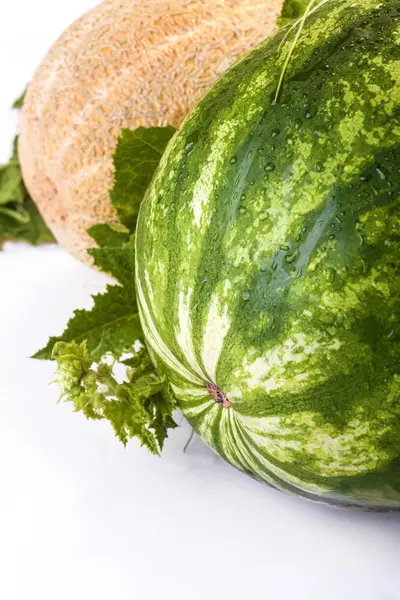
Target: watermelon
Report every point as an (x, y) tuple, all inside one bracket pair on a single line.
[(268, 259)]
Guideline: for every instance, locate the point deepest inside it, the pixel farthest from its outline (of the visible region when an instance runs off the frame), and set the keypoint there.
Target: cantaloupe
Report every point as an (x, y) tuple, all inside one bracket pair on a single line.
[(125, 63)]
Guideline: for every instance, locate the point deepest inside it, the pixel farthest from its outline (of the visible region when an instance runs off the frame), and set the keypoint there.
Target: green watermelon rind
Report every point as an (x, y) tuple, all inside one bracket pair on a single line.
[(267, 259)]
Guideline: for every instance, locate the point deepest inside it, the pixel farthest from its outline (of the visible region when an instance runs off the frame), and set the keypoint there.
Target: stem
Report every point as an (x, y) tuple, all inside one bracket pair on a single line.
[(300, 25)]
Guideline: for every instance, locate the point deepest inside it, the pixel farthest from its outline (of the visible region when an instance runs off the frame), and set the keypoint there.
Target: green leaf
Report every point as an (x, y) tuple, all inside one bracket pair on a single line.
[(111, 327), (31, 228), (141, 406), (18, 213), (75, 378), (291, 10), (19, 101), (19, 217), (117, 260), (162, 405), (135, 408), (136, 158), (109, 235), (35, 232), (11, 187)]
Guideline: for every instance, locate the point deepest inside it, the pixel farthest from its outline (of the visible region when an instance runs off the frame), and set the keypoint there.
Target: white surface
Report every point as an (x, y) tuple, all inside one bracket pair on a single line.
[(80, 517)]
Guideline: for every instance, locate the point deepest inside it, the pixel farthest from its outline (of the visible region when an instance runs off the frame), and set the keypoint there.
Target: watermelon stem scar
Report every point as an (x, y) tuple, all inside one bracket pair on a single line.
[(218, 394)]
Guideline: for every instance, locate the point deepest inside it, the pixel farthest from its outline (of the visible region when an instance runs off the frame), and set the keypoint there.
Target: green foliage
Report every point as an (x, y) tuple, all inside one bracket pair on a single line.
[(111, 326), (138, 407), (136, 158), (292, 9), (19, 101), (115, 257), (19, 217), (141, 406)]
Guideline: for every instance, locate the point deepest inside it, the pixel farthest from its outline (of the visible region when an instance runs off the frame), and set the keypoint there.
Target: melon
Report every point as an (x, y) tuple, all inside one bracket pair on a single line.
[(268, 259), (123, 64)]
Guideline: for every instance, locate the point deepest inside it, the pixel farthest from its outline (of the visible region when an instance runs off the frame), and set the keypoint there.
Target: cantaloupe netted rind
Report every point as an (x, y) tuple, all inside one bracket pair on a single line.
[(123, 64)]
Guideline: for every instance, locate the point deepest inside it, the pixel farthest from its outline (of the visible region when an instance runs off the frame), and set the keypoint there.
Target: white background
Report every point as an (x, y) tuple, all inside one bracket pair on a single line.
[(82, 518)]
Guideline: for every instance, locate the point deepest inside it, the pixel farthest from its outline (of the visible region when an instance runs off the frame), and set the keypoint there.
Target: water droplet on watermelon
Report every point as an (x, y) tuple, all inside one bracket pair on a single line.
[(274, 266), (292, 257), (298, 123), (270, 167), (246, 296), (308, 115), (189, 146), (284, 247), (234, 160), (264, 216), (320, 167), (332, 237), (330, 274), (275, 132), (242, 210)]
